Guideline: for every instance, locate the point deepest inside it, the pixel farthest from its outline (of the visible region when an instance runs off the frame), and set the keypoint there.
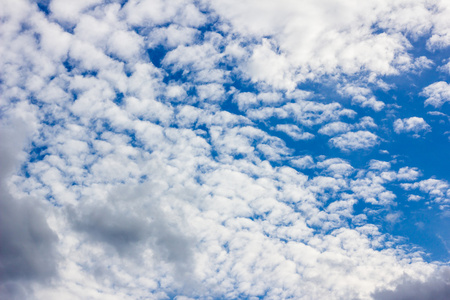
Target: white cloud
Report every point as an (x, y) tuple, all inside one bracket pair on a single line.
[(268, 66), (438, 190), (150, 13), (125, 45), (371, 190), (335, 128), (408, 174), (393, 217), (245, 100), (342, 37), (212, 92), (294, 132), (445, 68), (440, 33), (335, 167), (307, 113), (172, 36), (362, 96), (365, 123), (437, 94), (70, 12), (414, 124), (303, 162), (414, 198), (379, 165), (355, 141)]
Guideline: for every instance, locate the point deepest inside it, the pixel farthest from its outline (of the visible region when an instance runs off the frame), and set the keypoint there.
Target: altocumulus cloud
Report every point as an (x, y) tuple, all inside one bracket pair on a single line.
[(156, 149)]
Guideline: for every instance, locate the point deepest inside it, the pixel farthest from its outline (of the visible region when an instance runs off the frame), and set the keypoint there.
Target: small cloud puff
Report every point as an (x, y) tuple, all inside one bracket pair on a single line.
[(437, 94), (414, 198), (379, 165), (294, 132), (304, 162), (362, 96), (335, 128), (355, 140), (415, 124)]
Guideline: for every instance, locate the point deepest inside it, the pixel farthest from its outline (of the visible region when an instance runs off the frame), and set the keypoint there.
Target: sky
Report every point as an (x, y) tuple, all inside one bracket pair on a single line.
[(154, 149)]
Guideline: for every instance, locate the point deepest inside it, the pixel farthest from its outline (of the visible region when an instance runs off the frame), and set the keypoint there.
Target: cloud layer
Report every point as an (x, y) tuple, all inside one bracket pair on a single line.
[(218, 149)]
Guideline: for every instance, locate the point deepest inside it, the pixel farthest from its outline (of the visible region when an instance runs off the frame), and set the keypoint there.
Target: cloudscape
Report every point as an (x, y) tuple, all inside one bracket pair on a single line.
[(224, 149)]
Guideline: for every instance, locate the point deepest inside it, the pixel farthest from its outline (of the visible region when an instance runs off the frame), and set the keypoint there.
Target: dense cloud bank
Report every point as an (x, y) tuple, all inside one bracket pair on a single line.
[(223, 149)]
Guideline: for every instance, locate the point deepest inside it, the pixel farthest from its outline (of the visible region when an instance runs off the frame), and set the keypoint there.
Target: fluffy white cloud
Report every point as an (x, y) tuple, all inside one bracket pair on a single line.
[(355, 140), (316, 38), (437, 94), (307, 113), (304, 162), (445, 68), (172, 36), (414, 124), (379, 165), (362, 96), (150, 13), (294, 132), (335, 128), (438, 190)]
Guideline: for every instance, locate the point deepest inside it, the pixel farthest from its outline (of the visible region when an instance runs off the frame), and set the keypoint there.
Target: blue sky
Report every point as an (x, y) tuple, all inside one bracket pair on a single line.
[(157, 149)]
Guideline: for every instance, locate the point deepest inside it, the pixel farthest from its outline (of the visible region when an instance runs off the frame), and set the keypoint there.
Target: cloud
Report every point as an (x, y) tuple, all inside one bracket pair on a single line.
[(438, 190), (151, 13), (270, 67), (303, 162), (294, 132), (445, 68), (362, 96), (436, 286), (358, 140), (335, 128), (379, 165), (335, 167), (28, 253), (70, 13), (132, 222), (414, 198), (343, 39), (172, 36), (414, 124), (440, 37), (307, 113), (437, 94)]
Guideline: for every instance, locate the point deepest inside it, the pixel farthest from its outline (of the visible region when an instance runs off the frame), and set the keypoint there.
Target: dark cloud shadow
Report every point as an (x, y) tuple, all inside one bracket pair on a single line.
[(131, 221), (27, 244), (436, 287)]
